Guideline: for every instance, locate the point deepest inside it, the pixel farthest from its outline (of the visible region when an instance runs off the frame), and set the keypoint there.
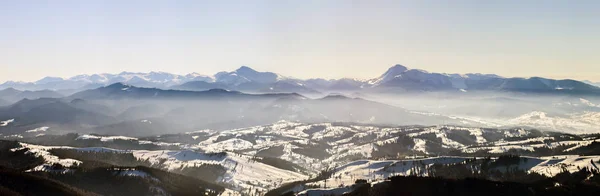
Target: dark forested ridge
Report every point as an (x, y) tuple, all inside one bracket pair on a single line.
[(20, 183), (426, 186), (103, 173)]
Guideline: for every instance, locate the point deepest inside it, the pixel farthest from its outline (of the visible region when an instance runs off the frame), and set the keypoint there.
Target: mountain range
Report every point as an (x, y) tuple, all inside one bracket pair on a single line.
[(130, 110), (398, 78)]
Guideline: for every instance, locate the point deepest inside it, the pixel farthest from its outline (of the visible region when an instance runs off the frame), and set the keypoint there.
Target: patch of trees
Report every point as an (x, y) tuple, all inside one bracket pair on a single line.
[(273, 151), (314, 129), (92, 160), (492, 135), (18, 160), (401, 147), (285, 189), (425, 186), (364, 139), (592, 149), (460, 136), (177, 183), (180, 138), (207, 172), (537, 151), (111, 181), (504, 168), (20, 183), (317, 150), (279, 163), (71, 140), (248, 137), (108, 157)]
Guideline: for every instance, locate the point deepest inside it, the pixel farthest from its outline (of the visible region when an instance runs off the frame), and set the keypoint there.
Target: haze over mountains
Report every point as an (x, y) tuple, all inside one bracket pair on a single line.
[(259, 133), (396, 79)]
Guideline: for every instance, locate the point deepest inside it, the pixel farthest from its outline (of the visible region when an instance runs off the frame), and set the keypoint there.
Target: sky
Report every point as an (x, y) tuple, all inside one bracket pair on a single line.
[(303, 39)]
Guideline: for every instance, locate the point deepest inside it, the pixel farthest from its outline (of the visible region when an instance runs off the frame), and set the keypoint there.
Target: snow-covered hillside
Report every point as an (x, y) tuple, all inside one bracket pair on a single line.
[(262, 158), (241, 171), (379, 171), (316, 147)]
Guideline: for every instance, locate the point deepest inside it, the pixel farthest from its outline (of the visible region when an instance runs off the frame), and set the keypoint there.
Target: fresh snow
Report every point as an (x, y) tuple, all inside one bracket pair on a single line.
[(377, 171), (104, 138), (49, 159), (41, 129), (242, 172), (6, 122)]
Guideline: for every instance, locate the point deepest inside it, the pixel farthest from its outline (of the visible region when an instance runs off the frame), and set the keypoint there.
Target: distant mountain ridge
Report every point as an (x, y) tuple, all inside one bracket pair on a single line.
[(246, 79), (121, 90), (13, 95), (592, 83), (399, 76)]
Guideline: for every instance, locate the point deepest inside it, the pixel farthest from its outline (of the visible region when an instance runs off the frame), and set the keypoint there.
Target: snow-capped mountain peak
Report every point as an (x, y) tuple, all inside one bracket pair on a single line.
[(390, 74), (245, 69), (49, 79), (245, 74)]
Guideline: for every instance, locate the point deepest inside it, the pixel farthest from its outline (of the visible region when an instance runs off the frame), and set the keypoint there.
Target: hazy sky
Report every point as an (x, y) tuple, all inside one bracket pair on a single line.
[(304, 39)]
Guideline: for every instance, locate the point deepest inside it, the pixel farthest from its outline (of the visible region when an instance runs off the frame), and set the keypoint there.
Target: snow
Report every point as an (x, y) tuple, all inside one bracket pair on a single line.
[(478, 133), (13, 136), (446, 142), (40, 129), (229, 192), (348, 142), (530, 140), (518, 133), (135, 173), (572, 163), (6, 122), (242, 173), (420, 146), (320, 192), (104, 138), (49, 159), (113, 138), (229, 145), (588, 103)]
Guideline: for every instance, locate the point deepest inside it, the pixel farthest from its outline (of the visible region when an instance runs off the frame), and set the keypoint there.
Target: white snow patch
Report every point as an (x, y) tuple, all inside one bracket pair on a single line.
[(104, 138), (41, 129), (6, 122)]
